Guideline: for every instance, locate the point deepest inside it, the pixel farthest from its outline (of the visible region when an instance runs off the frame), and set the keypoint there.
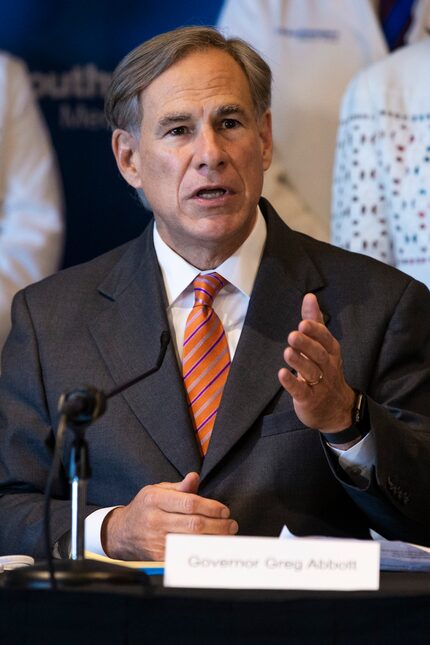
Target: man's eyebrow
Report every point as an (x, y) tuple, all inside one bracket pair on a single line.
[(173, 117), (226, 110)]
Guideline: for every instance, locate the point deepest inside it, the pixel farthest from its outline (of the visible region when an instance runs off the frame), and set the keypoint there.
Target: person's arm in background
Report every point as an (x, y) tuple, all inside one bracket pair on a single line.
[(31, 222), (360, 195), (289, 203)]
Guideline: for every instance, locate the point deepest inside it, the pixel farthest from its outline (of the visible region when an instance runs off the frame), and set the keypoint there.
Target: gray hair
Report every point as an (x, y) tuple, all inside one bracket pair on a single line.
[(148, 61)]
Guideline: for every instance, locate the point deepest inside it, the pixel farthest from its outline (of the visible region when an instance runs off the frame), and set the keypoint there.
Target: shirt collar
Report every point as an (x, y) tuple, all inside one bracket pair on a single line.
[(240, 269)]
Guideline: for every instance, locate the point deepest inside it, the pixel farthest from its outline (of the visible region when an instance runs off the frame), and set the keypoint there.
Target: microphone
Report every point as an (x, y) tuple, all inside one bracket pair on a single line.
[(86, 404), (79, 408)]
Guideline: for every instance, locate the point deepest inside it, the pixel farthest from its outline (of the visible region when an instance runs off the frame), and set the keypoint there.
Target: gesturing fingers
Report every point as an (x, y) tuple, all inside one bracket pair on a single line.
[(170, 500), (164, 510), (137, 531), (189, 484), (297, 387), (198, 524), (310, 308), (322, 398)]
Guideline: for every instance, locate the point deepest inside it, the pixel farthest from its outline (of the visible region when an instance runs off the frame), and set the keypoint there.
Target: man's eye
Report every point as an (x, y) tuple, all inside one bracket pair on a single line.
[(178, 131), (229, 124)]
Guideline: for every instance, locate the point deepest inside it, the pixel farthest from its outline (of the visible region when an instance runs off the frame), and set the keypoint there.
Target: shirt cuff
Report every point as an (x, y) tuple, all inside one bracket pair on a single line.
[(358, 461), (93, 529)]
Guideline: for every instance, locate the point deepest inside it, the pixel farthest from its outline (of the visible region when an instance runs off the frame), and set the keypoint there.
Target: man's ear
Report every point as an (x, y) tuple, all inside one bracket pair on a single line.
[(125, 148), (265, 131)]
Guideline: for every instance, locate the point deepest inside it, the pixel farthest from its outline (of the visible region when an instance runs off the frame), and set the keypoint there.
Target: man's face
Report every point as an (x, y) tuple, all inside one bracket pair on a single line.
[(201, 154)]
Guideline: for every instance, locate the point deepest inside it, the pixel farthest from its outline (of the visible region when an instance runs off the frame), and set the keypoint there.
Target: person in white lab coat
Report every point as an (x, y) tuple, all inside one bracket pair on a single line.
[(314, 48), (381, 188), (31, 223)]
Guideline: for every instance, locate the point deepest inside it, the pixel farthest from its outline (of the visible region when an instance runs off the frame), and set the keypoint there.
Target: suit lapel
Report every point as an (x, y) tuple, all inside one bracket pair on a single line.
[(286, 273), (127, 334)]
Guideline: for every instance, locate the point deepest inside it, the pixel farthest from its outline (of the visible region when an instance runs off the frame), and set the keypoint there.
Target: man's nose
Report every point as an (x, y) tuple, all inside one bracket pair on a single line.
[(209, 151)]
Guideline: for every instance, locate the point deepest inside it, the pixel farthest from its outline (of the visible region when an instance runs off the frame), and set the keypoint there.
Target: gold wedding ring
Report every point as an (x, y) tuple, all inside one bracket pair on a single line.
[(319, 379)]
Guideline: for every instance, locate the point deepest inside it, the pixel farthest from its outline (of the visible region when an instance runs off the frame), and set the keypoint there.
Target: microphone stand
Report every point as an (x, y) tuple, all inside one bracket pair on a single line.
[(79, 408), (79, 473)]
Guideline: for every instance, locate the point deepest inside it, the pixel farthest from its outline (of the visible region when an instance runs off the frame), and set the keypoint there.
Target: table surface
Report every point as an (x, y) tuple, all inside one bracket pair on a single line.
[(398, 614)]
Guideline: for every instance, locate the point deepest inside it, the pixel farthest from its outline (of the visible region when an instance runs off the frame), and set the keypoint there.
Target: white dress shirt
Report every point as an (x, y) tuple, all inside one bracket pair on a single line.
[(231, 305)]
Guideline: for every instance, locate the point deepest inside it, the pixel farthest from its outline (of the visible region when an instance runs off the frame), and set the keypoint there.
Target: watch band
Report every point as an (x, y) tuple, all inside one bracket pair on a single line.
[(359, 428)]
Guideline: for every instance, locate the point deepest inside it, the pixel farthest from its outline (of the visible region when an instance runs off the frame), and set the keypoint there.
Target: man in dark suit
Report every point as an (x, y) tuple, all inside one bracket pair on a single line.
[(335, 442)]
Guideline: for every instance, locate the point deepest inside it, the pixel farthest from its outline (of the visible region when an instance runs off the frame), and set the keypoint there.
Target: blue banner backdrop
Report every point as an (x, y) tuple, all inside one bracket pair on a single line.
[(71, 48)]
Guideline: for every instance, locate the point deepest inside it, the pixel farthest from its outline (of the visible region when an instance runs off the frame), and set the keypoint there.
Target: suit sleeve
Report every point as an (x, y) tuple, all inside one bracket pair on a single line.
[(27, 437), (397, 498)]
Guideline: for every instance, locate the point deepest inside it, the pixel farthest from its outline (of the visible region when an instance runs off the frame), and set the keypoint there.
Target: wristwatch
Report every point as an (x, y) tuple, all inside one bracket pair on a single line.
[(359, 428)]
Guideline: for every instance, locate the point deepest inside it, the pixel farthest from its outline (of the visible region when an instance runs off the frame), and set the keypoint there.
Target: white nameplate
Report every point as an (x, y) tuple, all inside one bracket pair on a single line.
[(208, 561)]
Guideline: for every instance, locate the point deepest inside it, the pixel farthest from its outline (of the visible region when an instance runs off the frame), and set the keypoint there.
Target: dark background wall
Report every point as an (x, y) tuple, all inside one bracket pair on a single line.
[(71, 47)]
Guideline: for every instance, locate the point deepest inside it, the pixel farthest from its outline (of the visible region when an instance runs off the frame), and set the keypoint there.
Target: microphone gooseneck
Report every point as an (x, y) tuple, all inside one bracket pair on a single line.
[(78, 409), (86, 404)]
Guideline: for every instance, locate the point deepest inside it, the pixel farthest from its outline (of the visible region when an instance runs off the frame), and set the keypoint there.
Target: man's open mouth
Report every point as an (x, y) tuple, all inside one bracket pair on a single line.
[(211, 193)]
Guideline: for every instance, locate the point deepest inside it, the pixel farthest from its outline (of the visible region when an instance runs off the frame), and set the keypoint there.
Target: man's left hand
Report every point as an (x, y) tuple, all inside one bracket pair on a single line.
[(322, 398)]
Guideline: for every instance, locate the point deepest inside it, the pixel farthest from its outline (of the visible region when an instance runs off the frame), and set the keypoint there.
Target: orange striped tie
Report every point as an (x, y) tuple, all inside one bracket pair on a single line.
[(205, 358)]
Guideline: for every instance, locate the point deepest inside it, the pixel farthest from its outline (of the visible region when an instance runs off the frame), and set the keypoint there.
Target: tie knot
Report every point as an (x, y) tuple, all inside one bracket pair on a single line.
[(206, 288)]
